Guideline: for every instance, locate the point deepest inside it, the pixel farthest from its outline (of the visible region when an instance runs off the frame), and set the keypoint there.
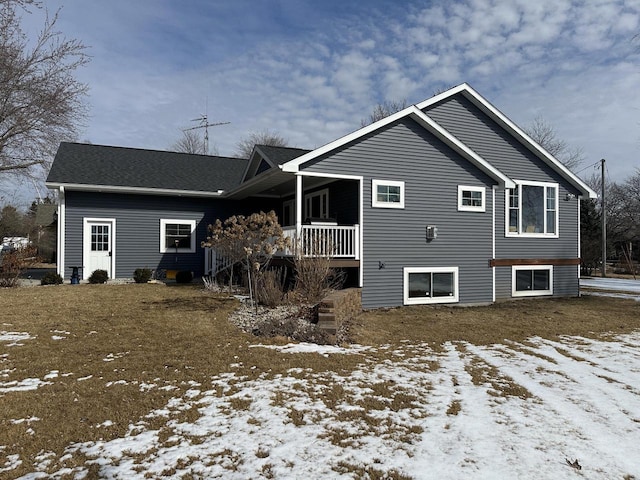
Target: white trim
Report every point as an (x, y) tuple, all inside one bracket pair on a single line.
[(471, 208), (375, 203), (428, 300), (531, 293), (306, 173), (579, 242), (513, 129), (299, 203), (423, 120), (361, 233), (136, 190), (86, 245), (519, 232), (493, 240), (61, 231), (163, 231)]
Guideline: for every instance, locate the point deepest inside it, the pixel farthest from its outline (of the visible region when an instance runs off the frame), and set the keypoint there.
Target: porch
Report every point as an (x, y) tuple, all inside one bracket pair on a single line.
[(341, 243)]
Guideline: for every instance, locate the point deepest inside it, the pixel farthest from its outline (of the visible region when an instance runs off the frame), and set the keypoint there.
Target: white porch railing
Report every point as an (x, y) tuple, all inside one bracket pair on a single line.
[(337, 241), (213, 263)]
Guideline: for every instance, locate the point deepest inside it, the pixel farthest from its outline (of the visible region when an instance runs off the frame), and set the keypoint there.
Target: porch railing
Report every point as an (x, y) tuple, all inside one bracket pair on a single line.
[(213, 262), (337, 241)]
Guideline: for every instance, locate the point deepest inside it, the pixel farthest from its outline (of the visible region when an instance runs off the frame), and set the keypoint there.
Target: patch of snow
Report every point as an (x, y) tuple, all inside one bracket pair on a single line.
[(12, 462), (106, 423), (14, 338), (51, 374), (522, 409), (56, 337), (82, 379), (22, 385), (324, 350)]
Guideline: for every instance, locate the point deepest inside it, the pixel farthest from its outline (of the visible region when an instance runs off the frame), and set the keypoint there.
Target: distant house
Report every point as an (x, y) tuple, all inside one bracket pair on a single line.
[(446, 201)]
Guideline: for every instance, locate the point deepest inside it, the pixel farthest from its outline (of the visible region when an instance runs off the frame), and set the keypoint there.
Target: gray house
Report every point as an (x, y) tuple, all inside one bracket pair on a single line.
[(446, 201)]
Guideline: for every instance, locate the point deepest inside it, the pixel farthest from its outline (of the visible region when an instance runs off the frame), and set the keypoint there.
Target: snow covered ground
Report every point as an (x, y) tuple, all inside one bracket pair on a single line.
[(513, 410), (630, 287)]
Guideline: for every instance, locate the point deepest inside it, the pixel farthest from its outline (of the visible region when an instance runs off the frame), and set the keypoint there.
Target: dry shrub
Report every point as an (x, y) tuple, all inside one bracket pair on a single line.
[(270, 287), (14, 263), (296, 326), (314, 274)]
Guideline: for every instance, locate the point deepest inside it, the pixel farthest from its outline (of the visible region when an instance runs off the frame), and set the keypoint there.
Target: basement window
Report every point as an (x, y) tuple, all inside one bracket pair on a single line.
[(430, 285), (532, 280)]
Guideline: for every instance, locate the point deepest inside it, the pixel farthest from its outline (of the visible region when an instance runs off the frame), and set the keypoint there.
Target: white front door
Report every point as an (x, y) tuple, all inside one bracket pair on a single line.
[(98, 248)]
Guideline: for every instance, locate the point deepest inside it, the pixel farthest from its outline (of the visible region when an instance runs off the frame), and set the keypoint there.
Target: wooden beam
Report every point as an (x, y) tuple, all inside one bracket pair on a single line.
[(508, 262)]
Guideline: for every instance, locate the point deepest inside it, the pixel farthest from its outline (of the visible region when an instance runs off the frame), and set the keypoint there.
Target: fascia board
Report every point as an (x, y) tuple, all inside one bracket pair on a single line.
[(133, 190), (429, 124), (294, 165), (253, 181)]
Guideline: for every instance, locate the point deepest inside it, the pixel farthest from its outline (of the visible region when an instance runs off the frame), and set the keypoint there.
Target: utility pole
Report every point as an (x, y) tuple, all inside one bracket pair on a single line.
[(603, 215)]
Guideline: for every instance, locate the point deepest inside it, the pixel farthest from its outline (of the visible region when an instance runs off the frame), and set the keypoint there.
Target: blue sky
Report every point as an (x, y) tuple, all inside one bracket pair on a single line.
[(311, 70)]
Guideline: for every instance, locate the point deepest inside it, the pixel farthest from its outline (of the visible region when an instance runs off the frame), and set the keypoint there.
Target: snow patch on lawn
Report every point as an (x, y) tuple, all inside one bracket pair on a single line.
[(14, 338), (513, 410)]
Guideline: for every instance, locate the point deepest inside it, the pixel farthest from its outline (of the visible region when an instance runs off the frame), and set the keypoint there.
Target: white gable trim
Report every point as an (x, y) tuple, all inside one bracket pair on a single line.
[(254, 162), (424, 121), (514, 130)]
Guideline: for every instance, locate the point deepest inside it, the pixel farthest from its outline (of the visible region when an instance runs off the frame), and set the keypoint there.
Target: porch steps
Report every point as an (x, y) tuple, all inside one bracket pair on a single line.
[(338, 307)]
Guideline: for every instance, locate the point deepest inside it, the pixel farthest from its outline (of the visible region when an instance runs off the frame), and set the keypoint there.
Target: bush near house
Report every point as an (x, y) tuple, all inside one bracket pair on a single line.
[(14, 262), (51, 278), (142, 275), (99, 276), (184, 276)]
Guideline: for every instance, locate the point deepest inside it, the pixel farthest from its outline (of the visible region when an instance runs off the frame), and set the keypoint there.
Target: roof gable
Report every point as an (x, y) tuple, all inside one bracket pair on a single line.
[(87, 166), (512, 129), (424, 121), (265, 157)]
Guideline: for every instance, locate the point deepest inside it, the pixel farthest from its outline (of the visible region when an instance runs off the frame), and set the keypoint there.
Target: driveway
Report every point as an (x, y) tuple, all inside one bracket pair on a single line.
[(612, 287)]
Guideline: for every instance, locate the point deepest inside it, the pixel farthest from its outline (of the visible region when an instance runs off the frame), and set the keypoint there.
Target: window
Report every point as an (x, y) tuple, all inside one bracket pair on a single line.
[(387, 194), (177, 236), (471, 199), (532, 280), (316, 204), (532, 209), (430, 285)]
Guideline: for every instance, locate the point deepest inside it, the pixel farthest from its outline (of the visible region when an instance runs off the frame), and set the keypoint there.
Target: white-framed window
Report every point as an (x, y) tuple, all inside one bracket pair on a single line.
[(430, 285), (177, 236), (532, 210), (387, 194), (316, 204), (531, 280), (471, 199)]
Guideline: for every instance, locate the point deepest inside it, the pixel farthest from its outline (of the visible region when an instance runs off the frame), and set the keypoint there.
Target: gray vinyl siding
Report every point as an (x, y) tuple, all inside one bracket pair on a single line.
[(484, 136), (404, 151), (138, 228)]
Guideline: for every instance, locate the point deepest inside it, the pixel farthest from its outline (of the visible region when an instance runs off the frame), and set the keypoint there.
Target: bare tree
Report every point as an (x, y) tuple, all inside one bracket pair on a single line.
[(191, 143), (244, 147), (41, 103), (383, 110), (544, 134)]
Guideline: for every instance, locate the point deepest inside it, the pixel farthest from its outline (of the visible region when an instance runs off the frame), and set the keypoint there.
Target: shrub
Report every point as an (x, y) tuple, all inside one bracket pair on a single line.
[(14, 263), (51, 278), (99, 276), (269, 288), (142, 275), (296, 326), (184, 276)]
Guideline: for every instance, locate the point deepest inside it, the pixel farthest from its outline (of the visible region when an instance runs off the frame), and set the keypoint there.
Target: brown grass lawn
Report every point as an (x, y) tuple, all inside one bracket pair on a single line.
[(117, 352)]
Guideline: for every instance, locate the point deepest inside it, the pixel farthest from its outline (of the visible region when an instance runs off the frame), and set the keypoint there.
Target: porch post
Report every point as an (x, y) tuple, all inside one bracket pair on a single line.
[(298, 207)]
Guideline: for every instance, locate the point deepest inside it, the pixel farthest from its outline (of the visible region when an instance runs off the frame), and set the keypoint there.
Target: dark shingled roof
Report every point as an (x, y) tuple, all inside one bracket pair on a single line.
[(86, 164), (280, 155)]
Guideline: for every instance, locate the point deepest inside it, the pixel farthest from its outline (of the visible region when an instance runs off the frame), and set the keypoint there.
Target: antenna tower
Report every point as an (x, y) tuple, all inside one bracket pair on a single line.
[(204, 123)]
